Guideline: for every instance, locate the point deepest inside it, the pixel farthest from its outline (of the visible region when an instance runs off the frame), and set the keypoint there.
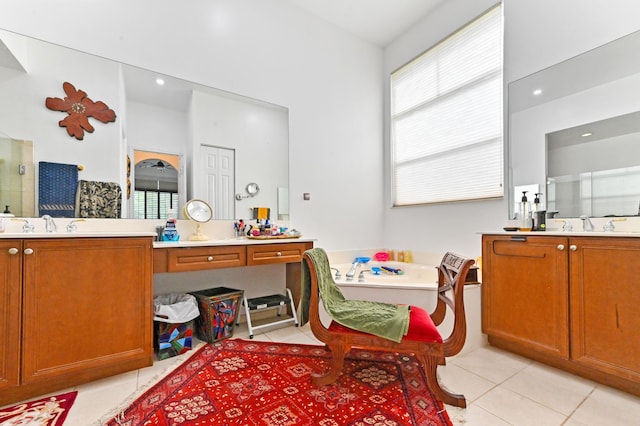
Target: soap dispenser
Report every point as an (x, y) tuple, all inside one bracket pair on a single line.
[(539, 215), (524, 214)]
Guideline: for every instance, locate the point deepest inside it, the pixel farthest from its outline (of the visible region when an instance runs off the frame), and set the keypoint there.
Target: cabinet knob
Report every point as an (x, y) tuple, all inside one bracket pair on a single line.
[(210, 258), (279, 253), (28, 251), (13, 250), (560, 247), (573, 247)]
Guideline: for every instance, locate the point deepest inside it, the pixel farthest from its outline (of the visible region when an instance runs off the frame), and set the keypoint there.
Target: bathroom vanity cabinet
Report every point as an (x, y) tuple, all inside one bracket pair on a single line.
[(72, 310), (570, 302), (186, 256)]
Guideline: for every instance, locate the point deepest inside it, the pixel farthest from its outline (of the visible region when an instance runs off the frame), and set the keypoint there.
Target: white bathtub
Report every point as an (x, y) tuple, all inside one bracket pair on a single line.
[(416, 286), (414, 276)]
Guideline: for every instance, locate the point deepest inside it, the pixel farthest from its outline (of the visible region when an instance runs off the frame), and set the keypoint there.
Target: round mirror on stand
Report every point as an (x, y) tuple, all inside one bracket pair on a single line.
[(200, 212)]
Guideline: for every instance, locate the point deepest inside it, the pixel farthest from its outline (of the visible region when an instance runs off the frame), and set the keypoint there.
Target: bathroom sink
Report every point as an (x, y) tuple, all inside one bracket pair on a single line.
[(76, 234)]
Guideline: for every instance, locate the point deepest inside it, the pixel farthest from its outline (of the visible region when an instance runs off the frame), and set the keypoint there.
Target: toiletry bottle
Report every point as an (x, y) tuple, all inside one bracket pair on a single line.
[(524, 213), (536, 202), (170, 229), (400, 256), (539, 221), (408, 257)]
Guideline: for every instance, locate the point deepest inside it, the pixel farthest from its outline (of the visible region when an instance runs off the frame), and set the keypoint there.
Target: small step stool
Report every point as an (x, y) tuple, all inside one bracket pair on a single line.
[(273, 301)]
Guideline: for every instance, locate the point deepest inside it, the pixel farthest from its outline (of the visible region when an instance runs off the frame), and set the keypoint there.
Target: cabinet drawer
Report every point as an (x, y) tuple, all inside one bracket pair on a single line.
[(199, 258), (262, 254)]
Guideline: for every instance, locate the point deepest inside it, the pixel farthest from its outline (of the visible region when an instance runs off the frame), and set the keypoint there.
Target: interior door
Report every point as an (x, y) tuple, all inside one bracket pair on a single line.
[(219, 180)]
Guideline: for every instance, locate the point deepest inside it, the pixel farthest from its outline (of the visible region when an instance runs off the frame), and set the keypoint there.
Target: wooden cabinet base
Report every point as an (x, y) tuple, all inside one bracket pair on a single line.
[(23, 392), (629, 386), (85, 312), (567, 301)]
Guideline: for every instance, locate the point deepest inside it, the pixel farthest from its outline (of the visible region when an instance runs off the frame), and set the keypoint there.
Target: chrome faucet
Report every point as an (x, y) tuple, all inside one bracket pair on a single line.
[(352, 270), (49, 224), (72, 226), (586, 223), (361, 275), (338, 274), (28, 227)]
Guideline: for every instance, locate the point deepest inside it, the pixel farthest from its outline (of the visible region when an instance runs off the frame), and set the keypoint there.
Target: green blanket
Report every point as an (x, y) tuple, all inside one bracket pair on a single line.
[(385, 320)]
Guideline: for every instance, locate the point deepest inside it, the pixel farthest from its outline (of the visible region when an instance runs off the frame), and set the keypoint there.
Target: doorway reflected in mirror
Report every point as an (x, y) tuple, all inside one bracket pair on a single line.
[(155, 185)]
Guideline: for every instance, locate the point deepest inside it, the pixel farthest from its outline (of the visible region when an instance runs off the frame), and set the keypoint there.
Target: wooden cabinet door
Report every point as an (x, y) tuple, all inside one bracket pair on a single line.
[(264, 254), (87, 308), (605, 301), (181, 259), (525, 292), (10, 311)]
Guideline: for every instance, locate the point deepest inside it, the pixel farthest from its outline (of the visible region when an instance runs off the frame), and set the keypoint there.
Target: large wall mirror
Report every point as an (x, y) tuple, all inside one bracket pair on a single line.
[(574, 130), (223, 141)]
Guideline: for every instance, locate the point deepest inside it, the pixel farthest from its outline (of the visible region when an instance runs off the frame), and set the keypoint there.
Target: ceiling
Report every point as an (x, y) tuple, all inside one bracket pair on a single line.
[(376, 21)]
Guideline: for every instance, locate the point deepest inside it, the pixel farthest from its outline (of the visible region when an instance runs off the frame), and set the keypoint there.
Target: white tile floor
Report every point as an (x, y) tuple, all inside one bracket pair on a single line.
[(501, 389)]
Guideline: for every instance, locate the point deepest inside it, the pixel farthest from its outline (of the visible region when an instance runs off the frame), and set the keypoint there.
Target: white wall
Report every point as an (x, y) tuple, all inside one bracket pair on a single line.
[(265, 49), (541, 33), (153, 128)]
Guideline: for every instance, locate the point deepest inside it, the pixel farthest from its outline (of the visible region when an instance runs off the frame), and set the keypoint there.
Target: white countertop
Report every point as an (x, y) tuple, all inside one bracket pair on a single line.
[(561, 233), (238, 241), (91, 234)]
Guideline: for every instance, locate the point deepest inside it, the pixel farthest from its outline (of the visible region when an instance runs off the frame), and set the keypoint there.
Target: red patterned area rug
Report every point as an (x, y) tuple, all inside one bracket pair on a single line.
[(240, 382), (49, 411)]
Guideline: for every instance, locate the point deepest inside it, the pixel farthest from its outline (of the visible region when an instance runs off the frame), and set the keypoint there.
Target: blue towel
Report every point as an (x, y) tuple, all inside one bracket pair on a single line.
[(57, 185)]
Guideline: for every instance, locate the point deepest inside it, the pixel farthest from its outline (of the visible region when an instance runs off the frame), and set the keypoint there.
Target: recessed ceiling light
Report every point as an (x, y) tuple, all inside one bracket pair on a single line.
[(537, 92), (159, 81), (586, 134)]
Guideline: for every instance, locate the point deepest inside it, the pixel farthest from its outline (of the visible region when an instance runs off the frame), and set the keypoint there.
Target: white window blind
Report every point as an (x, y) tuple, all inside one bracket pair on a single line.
[(446, 118)]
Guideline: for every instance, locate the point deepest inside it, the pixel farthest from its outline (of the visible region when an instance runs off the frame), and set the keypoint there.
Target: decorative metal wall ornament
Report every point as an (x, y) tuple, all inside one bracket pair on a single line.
[(80, 108)]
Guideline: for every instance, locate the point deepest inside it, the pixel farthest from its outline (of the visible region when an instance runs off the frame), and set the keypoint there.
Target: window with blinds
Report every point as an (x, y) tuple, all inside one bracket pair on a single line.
[(152, 204), (446, 118)]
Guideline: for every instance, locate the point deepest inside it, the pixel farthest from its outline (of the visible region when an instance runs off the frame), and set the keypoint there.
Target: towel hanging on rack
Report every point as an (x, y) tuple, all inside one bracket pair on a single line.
[(261, 213), (98, 199), (57, 184)]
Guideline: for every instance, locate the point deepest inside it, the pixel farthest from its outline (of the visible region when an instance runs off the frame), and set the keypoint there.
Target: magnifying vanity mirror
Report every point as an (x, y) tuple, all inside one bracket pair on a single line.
[(574, 131), (252, 190), (200, 212)]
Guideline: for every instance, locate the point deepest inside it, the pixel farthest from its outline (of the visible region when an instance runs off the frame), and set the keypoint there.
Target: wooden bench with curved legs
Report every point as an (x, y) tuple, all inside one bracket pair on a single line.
[(423, 339)]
